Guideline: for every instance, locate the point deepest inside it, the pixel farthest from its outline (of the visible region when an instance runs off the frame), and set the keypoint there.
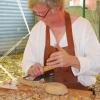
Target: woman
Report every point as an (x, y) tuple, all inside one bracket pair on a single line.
[(57, 40)]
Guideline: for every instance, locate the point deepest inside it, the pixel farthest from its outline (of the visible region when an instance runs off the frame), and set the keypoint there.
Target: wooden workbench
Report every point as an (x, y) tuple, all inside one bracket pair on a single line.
[(37, 92)]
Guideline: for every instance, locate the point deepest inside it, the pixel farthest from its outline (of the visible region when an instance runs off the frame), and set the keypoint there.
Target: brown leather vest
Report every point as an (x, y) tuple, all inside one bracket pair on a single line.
[(62, 74)]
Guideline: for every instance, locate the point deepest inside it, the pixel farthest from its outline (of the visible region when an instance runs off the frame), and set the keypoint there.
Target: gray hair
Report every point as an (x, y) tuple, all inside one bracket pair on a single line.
[(50, 3)]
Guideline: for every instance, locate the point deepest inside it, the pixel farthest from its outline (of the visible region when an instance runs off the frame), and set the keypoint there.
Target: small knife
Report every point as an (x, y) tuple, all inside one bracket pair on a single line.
[(46, 70)]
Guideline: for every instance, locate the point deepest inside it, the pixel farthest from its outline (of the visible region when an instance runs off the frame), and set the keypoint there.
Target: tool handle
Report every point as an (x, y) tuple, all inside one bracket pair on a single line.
[(48, 68)]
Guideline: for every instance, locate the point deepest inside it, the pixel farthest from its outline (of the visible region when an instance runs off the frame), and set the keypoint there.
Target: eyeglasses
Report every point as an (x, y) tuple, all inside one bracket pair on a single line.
[(42, 13)]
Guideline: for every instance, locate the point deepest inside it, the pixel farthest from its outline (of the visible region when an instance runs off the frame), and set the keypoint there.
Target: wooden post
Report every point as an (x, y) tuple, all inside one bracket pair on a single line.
[(98, 17), (84, 8)]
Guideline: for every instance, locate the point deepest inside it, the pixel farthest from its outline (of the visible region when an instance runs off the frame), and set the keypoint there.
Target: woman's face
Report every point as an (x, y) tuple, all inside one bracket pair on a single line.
[(51, 17)]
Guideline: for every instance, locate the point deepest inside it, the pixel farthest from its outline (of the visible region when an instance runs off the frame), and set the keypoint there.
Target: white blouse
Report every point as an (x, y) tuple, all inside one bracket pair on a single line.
[(87, 49)]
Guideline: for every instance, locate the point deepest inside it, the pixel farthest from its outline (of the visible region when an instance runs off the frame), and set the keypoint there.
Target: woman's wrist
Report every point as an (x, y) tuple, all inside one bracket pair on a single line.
[(75, 62)]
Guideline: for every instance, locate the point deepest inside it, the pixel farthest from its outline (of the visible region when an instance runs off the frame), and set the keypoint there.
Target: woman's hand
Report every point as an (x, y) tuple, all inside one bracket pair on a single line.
[(61, 58), (35, 70)]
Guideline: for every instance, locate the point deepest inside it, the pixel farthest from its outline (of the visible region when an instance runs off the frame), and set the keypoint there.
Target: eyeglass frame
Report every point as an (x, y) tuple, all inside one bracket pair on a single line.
[(44, 14)]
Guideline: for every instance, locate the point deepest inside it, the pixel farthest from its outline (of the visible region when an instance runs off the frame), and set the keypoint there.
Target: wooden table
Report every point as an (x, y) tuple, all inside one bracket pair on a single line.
[(81, 94), (37, 92)]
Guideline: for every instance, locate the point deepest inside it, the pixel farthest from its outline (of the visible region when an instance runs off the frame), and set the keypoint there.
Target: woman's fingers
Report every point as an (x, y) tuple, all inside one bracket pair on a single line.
[(35, 70), (52, 58), (56, 65), (52, 63), (38, 71), (30, 72)]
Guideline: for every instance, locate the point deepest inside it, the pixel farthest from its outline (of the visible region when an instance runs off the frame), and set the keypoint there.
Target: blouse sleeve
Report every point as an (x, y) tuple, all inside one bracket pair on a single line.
[(90, 61), (35, 46), (28, 56)]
